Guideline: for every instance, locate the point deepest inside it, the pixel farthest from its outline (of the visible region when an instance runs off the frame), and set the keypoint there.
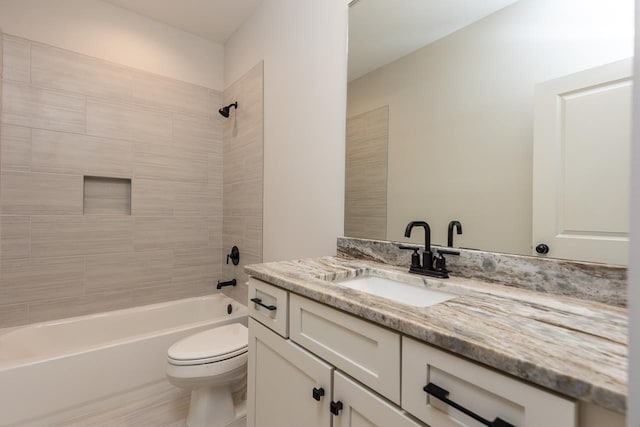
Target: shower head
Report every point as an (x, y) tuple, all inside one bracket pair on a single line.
[(224, 111)]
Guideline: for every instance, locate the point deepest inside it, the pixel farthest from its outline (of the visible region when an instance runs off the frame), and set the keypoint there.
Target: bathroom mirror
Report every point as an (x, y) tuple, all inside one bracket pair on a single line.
[(447, 101)]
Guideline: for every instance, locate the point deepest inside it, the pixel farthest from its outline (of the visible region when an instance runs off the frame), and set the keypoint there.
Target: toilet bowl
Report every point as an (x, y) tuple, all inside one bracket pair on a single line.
[(213, 366)]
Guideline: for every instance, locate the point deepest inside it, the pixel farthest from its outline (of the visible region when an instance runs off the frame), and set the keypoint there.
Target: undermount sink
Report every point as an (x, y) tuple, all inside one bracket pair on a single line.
[(397, 291)]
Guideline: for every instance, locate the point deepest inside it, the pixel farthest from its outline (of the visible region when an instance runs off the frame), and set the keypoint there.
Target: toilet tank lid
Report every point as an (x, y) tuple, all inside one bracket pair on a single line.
[(213, 342)]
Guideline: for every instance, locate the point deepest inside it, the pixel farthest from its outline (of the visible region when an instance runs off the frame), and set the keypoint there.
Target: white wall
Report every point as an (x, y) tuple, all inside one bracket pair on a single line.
[(461, 115), (633, 401), (101, 30), (304, 47)]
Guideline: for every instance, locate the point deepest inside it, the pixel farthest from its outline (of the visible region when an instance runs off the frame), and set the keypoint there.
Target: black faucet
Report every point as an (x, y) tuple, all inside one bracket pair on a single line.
[(427, 268), (458, 227)]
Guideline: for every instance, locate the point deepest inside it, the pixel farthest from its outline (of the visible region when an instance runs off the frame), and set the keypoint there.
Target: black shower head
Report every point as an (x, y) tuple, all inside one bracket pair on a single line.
[(224, 111)]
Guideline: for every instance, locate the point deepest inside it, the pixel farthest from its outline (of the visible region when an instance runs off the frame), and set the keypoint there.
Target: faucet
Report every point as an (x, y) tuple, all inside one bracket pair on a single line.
[(458, 227), (426, 268)]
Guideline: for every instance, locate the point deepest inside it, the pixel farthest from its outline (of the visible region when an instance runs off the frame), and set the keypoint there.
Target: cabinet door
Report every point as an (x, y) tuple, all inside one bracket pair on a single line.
[(363, 408), (482, 391), (281, 381)]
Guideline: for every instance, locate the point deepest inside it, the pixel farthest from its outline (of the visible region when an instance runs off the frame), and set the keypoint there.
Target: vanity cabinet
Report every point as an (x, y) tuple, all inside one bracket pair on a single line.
[(290, 387), (325, 361)]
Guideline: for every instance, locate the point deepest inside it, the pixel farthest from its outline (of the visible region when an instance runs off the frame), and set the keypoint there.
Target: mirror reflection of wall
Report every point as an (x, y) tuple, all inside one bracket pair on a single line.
[(461, 108)]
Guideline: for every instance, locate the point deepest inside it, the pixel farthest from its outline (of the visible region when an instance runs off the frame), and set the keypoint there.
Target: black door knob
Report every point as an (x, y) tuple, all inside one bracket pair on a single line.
[(335, 408), (542, 249), (318, 393)]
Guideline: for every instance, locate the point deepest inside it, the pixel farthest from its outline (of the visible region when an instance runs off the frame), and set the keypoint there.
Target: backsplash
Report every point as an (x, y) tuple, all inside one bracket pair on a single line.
[(149, 140), (589, 281)]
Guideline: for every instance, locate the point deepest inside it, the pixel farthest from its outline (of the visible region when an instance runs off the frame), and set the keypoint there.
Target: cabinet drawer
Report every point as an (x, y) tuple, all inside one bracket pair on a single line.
[(269, 306), (481, 390), (367, 352)]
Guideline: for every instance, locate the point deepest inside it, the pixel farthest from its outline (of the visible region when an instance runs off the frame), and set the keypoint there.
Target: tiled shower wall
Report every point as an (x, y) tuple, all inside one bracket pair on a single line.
[(66, 116), (243, 177)]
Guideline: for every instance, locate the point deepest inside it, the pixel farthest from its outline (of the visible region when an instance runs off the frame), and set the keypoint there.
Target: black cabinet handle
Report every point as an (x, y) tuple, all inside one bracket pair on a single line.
[(441, 394), (335, 408), (259, 302), (318, 393)]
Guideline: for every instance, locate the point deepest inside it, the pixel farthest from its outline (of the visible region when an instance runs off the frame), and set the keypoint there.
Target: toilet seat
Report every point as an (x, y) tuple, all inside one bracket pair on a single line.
[(210, 346)]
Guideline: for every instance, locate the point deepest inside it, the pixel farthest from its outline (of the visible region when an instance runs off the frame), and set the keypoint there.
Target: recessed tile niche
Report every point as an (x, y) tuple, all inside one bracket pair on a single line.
[(107, 196)]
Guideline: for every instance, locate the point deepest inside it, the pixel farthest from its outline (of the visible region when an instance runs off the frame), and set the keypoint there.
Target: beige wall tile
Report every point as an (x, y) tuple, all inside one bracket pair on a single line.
[(215, 169), (196, 199), (197, 134), (215, 232), (107, 196), (151, 198), (15, 148), (41, 108), (243, 199), (61, 152), (40, 194), (15, 237), (366, 174), (16, 58), (13, 315), (27, 280), (170, 233), (243, 177), (197, 266), (171, 95), (152, 233), (169, 162), (80, 235), (124, 121), (190, 232), (128, 271), (68, 71)]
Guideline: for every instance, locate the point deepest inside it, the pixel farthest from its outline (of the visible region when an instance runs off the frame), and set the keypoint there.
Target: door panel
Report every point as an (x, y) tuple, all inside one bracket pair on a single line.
[(281, 380), (581, 164)]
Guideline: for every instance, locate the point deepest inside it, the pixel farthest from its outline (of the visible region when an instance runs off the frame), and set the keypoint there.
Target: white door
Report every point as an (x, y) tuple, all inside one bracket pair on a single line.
[(363, 408), (581, 164), (281, 382)]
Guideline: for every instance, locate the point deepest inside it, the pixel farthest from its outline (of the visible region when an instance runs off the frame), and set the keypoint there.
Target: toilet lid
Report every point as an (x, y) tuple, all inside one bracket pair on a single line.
[(211, 345)]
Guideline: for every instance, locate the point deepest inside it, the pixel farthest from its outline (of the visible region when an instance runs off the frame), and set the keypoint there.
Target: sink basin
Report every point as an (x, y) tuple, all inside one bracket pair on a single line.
[(397, 291)]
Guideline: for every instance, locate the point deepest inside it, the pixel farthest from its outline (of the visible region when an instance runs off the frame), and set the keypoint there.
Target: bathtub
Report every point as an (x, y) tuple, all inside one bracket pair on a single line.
[(54, 370)]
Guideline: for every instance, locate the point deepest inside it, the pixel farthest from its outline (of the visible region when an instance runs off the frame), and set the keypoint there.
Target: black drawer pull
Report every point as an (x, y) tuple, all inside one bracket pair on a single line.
[(259, 302), (441, 394), (335, 408), (318, 393)]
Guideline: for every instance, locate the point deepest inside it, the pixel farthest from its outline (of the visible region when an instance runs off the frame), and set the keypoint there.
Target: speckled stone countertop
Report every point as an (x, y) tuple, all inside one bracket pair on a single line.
[(575, 347)]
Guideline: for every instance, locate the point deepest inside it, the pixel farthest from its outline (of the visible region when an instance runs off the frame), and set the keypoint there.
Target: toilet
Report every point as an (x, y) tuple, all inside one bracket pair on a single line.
[(213, 365)]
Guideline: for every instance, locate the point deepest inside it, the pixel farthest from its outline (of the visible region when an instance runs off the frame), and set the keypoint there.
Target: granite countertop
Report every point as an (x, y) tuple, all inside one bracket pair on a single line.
[(577, 348)]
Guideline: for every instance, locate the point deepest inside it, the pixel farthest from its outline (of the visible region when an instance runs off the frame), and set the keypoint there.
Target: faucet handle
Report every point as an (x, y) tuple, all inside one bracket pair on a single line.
[(415, 257)]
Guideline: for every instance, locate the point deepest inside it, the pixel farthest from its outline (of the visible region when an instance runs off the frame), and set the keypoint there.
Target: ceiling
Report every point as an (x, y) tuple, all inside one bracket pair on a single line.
[(214, 20), (381, 31)]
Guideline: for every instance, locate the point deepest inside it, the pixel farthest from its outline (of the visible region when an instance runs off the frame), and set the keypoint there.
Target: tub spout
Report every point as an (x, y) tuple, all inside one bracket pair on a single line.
[(221, 285)]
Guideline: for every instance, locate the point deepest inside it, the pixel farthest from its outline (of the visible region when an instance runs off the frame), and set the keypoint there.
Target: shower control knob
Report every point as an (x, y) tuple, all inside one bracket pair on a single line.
[(542, 249)]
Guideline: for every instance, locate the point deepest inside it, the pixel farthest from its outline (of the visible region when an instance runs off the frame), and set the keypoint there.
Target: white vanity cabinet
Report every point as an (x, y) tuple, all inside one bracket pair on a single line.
[(326, 362)]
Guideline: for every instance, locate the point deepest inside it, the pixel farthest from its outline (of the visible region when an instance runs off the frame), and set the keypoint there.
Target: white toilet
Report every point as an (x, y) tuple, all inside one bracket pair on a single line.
[(213, 365)]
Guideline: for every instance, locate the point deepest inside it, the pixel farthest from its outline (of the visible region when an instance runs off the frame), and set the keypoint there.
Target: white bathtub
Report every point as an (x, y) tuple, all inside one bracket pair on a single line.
[(49, 370)]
